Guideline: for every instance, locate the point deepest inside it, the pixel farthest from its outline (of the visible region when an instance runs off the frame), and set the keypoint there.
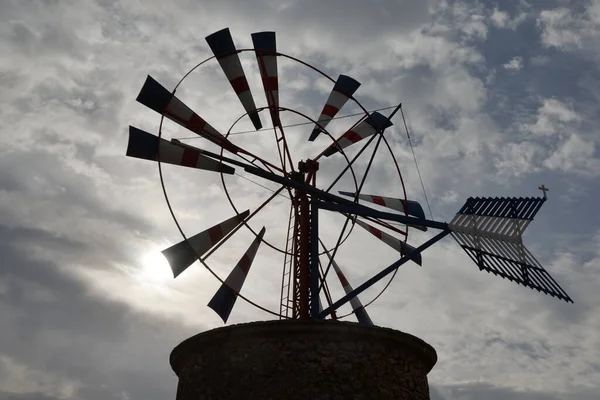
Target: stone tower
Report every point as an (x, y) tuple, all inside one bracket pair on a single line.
[(295, 359)]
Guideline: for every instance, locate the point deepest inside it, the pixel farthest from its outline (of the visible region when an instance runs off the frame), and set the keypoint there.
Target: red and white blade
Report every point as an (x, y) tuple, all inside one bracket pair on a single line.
[(224, 299), (395, 243), (183, 254)]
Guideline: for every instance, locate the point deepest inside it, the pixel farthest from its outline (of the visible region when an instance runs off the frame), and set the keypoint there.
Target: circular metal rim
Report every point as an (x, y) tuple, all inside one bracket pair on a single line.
[(178, 225), (235, 208)]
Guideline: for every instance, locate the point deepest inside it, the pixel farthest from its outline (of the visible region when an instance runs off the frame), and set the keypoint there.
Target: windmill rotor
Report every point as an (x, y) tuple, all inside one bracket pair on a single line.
[(488, 230)]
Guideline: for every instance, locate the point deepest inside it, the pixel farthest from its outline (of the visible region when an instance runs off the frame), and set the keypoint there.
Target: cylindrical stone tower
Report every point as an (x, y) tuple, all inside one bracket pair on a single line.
[(302, 360)]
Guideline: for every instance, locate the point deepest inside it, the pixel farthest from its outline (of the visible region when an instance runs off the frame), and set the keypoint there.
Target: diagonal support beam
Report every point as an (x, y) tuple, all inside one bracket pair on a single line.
[(382, 274)]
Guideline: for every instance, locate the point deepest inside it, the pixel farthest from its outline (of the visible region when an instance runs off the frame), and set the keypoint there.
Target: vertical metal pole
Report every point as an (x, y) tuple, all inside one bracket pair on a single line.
[(314, 258), (304, 248)]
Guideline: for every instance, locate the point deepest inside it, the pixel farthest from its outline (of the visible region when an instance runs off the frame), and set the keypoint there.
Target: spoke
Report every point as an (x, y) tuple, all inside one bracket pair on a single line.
[(383, 273), (243, 157), (349, 165), (286, 149), (297, 124), (281, 157), (245, 222), (264, 162), (326, 287), (357, 307), (262, 186), (384, 224), (202, 261), (362, 182), (398, 107), (248, 153), (335, 140)]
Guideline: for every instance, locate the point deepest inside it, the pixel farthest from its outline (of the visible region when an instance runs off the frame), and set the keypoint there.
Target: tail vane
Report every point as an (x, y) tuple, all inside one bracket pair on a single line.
[(395, 243), (156, 97), (343, 89), (224, 300), (357, 307), (490, 231), (183, 254), (376, 122), (265, 46), (146, 146), (222, 46)]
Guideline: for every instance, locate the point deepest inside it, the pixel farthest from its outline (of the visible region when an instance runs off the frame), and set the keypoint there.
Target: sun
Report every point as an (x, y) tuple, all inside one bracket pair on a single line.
[(155, 268)]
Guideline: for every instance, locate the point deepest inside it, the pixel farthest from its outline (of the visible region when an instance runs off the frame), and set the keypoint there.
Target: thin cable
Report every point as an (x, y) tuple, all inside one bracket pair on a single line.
[(416, 164), (292, 125), (262, 186)]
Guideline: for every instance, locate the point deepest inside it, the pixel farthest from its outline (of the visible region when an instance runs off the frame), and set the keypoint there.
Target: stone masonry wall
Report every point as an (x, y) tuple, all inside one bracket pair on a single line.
[(302, 360)]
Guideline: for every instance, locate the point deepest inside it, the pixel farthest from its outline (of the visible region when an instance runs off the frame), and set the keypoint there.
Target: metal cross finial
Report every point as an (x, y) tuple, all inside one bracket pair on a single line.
[(544, 189)]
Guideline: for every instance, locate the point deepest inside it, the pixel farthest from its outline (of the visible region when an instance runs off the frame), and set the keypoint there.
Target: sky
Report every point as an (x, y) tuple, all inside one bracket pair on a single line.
[(500, 97)]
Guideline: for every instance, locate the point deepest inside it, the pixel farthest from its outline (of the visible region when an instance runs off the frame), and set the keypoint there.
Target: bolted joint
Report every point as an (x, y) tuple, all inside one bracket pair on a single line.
[(308, 166)]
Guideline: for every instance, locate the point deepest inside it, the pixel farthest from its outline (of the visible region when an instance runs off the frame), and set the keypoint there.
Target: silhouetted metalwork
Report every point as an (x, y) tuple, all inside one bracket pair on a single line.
[(488, 229)]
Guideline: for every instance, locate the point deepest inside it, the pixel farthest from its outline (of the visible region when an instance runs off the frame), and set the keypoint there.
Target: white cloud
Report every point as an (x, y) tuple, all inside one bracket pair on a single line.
[(553, 117), (560, 28), (574, 154), (71, 100), (518, 158), (553, 140), (499, 18), (16, 378), (572, 28), (515, 63)]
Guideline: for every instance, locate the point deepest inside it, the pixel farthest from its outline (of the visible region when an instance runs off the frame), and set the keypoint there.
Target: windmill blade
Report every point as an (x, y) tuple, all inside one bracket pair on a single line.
[(223, 301), (357, 307), (147, 146), (222, 46), (396, 244), (375, 123), (183, 254), (343, 89), (409, 207), (490, 231), (265, 46), (156, 97)]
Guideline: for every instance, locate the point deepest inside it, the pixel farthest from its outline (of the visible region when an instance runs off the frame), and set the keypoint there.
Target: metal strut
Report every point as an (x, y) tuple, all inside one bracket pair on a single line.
[(304, 270)]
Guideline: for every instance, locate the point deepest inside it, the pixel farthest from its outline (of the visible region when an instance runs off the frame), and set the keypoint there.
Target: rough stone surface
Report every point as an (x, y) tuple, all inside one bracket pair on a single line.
[(302, 360)]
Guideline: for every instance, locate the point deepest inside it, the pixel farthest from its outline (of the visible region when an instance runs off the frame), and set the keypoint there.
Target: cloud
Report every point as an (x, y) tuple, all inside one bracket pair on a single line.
[(574, 154), (553, 116), (475, 391), (572, 29), (560, 28), (20, 380), (499, 18), (515, 63), (87, 316)]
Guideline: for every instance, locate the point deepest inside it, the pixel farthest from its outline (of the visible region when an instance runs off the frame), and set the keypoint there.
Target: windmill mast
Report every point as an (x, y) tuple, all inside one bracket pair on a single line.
[(302, 241), (275, 359)]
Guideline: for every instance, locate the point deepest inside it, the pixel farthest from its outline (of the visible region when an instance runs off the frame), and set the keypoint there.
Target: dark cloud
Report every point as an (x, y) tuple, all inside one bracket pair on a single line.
[(106, 347), (71, 203), (483, 391)]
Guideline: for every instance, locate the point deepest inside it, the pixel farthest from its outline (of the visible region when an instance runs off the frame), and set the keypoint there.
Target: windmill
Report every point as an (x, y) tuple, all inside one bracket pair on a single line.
[(489, 230)]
